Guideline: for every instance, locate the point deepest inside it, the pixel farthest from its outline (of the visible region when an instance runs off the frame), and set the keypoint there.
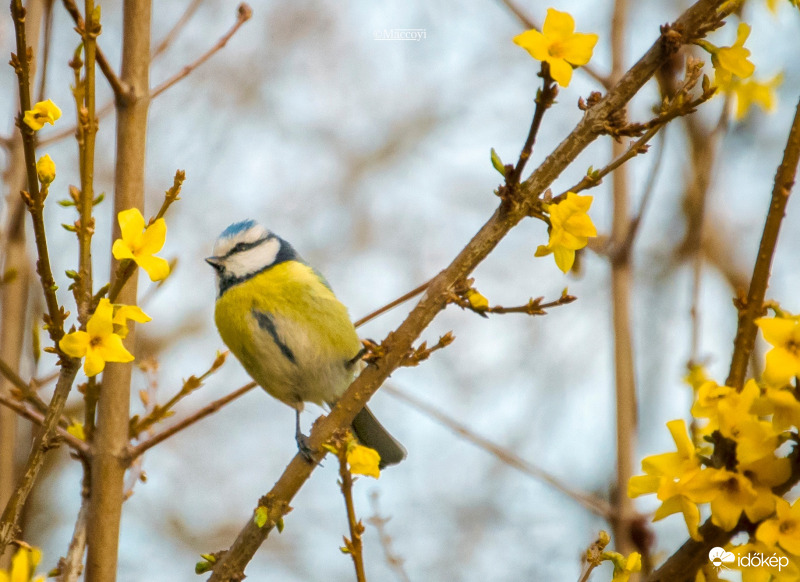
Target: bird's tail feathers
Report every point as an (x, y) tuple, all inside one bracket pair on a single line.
[(372, 434)]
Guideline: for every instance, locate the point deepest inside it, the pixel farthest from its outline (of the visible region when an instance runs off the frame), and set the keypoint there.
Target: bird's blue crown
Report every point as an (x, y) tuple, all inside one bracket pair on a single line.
[(237, 228)]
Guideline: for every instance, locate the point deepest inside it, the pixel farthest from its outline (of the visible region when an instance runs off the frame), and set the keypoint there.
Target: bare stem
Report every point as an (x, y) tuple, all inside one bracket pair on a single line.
[(353, 546), (207, 410), (243, 14)]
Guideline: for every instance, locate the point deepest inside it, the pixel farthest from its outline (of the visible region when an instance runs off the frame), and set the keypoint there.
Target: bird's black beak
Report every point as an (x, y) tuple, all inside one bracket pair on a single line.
[(215, 262)]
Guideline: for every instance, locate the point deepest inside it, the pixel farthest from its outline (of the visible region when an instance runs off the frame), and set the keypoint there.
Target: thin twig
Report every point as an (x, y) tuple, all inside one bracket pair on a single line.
[(139, 449), (380, 311), (352, 546), (243, 14), (70, 567), (38, 418), (121, 90), (545, 97), (379, 522), (595, 505), (176, 29), (43, 442), (34, 198)]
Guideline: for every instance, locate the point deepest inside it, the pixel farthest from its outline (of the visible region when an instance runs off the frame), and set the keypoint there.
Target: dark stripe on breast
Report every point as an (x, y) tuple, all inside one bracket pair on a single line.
[(265, 322)]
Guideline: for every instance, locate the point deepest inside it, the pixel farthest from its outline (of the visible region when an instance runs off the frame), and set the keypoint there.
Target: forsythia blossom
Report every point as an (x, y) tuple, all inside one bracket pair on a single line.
[(99, 343), (570, 229), (45, 169), (140, 243), (783, 360), (732, 60), (23, 566), (363, 460), (558, 45), (749, 93), (43, 112)]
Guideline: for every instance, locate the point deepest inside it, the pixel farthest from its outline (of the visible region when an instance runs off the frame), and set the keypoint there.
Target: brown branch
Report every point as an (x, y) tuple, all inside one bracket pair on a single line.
[(38, 418), (352, 546), (211, 408), (684, 563), (43, 442), (34, 199), (545, 98), (243, 14), (121, 90), (111, 440), (746, 331), (391, 305), (231, 565)]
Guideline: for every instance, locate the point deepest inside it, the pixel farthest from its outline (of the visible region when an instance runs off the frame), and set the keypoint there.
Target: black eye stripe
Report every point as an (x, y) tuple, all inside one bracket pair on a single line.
[(245, 246)]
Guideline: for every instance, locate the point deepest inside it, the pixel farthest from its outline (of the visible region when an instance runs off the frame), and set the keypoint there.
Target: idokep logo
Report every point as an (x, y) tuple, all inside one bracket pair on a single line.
[(720, 558)]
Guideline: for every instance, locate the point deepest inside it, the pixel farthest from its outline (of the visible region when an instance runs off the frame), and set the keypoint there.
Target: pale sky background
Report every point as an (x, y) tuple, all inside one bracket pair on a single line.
[(372, 158)]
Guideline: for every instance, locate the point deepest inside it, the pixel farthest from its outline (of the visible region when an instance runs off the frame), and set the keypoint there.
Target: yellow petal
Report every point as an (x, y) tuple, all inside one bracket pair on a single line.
[(21, 566), (542, 251), (153, 238), (93, 364), (156, 267), (776, 330), (133, 312), (120, 250), (561, 71), (99, 325), (112, 350), (565, 258), (534, 42), (578, 51), (131, 224), (558, 25), (642, 485), (75, 344), (363, 460)]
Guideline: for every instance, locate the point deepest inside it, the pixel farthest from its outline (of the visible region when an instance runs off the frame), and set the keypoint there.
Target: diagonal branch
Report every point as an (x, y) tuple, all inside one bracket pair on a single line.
[(231, 564)]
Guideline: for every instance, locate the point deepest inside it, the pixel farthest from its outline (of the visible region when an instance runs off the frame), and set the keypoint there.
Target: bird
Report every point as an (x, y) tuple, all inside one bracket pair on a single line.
[(282, 321)]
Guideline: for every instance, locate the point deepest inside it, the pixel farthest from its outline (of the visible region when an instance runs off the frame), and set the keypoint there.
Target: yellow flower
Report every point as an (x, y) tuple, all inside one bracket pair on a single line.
[(363, 460), (730, 494), (76, 430), (23, 566), (783, 406), (732, 60), (784, 529), (749, 93), (570, 229), (140, 243), (558, 45), (122, 313), (43, 112), (476, 300), (624, 567), (783, 360), (46, 169), (667, 475), (98, 343)]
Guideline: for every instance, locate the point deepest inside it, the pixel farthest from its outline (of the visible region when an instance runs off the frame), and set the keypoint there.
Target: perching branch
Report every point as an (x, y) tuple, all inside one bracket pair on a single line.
[(230, 566)]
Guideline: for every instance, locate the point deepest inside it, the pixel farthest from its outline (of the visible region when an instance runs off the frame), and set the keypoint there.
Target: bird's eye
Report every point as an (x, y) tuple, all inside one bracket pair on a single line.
[(240, 247)]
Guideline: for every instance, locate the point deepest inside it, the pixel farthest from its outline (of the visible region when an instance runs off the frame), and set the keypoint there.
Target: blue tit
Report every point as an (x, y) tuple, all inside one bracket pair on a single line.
[(282, 321)]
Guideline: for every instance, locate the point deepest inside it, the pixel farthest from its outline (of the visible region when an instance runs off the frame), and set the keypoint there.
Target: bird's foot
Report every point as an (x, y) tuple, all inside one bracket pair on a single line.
[(305, 451)]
